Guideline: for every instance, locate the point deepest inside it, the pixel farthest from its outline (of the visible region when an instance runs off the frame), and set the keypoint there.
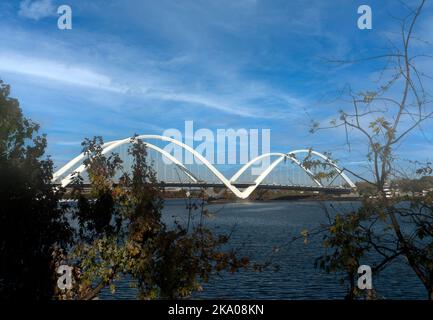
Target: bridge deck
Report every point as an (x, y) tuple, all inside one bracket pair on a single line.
[(327, 190), (336, 190)]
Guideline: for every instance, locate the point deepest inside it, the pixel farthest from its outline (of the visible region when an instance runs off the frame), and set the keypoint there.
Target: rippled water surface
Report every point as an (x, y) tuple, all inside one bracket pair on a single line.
[(258, 227)]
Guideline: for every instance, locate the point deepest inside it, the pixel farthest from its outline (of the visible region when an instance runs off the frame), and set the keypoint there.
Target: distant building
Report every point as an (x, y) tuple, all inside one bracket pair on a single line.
[(387, 190), (426, 192)]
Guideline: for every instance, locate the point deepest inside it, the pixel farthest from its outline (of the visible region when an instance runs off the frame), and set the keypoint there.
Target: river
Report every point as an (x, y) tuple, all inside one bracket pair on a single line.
[(259, 227)]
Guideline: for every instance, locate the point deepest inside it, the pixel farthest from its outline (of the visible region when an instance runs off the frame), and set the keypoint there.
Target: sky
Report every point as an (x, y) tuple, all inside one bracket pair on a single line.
[(143, 67)]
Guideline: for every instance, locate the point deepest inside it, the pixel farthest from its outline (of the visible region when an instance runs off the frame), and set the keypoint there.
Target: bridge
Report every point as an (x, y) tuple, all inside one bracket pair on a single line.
[(285, 171)]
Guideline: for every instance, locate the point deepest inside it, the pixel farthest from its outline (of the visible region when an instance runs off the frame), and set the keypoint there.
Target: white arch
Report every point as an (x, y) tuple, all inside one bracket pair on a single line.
[(292, 158), (263, 175), (107, 147), (68, 179), (221, 177), (114, 144), (329, 161), (74, 161)]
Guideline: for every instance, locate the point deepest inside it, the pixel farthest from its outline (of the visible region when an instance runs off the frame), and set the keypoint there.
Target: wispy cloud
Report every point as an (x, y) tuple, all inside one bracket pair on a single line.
[(248, 63), (240, 104), (37, 9), (68, 143), (55, 71)]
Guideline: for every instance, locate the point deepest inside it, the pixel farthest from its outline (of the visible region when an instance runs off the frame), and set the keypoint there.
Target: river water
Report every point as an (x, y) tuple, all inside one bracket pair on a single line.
[(259, 227)]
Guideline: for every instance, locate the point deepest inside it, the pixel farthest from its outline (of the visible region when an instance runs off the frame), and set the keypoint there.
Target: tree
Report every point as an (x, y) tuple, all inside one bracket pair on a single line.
[(365, 188), (32, 223), (114, 230), (121, 232), (386, 226)]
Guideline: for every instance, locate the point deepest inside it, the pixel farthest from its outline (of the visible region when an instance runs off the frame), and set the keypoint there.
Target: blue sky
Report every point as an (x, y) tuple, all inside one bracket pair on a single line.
[(145, 66)]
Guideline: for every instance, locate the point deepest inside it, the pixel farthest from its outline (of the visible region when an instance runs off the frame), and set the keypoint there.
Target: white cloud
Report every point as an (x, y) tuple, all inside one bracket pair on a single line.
[(78, 75), (36, 10), (56, 71), (68, 143)]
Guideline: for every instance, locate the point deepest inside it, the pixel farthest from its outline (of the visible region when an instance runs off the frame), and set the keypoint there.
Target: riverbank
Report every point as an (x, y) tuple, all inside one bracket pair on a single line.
[(290, 198)]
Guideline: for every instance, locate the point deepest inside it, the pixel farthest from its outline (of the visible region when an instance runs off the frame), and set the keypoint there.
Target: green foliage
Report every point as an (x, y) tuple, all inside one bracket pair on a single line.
[(345, 243), (414, 185), (32, 223), (366, 189), (117, 227), (322, 170), (122, 233), (387, 226)]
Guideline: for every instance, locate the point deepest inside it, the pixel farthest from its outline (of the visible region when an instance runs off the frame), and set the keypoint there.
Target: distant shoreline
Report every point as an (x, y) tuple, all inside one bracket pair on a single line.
[(282, 198)]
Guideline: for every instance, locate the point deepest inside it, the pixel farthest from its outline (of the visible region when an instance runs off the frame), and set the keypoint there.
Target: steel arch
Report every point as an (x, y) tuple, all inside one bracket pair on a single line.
[(107, 147)]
